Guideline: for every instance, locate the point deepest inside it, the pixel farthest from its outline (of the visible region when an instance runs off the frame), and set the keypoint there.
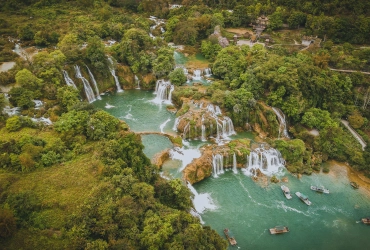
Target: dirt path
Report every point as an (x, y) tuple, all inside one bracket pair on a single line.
[(354, 133)]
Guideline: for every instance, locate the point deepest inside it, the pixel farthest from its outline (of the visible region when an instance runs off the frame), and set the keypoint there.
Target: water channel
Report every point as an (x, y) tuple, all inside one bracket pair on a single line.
[(249, 208)]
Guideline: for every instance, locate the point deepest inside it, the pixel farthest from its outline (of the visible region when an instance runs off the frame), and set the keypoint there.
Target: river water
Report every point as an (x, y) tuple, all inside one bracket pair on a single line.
[(246, 207)]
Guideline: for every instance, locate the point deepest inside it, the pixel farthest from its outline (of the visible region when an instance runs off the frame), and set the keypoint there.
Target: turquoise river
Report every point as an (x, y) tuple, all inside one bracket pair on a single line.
[(250, 208)]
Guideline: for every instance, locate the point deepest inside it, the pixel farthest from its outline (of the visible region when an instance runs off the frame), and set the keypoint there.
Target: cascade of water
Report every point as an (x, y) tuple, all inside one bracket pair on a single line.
[(163, 95), (88, 90), (38, 103), (113, 72), (186, 128), (170, 94), (68, 80), (177, 121), (217, 165), (203, 133), (203, 138), (234, 164), (138, 82), (207, 72), (228, 128), (11, 111), (211, 109), (282, 123), (197, 75), (268, 161), (94, 82), (217, 110), (219, 128)]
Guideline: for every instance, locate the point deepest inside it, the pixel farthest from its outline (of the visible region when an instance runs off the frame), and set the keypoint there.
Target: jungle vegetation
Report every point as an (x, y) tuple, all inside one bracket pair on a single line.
[(84, 183)]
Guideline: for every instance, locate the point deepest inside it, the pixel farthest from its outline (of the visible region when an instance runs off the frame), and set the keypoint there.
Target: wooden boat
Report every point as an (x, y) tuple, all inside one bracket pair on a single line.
[(279, 230), (354, 185), (230, 238), (366, 220), (286, 192), (320, 189), (303, 198)]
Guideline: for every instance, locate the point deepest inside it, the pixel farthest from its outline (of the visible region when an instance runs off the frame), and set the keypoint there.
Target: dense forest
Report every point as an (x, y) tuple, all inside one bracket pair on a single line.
[(84, 183)]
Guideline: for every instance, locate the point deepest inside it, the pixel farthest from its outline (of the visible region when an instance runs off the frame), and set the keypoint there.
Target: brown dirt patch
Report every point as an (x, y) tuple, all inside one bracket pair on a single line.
[(239, 31), (339, 168)]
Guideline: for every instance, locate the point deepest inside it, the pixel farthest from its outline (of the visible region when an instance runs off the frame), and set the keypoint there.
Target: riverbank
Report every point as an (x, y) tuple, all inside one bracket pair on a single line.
[(342, 169)]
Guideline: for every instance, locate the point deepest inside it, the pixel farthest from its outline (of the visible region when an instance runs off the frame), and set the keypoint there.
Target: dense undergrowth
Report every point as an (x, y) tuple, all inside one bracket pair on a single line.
[(85, 183)]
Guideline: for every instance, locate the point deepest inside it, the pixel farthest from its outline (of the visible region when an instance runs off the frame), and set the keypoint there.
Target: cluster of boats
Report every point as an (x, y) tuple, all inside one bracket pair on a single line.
[(304, 198)]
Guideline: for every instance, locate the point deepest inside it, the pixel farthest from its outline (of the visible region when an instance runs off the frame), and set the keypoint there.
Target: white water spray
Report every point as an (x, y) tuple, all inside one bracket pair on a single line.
[(94, 82), (113, 72), (68, 80), (88, 90)]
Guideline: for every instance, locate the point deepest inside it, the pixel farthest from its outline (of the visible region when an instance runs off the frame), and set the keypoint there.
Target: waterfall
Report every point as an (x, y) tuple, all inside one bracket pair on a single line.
[(94, 82), (207, 72), (38, 103), (201, 202), (113, 72), (197, 75), (282, 124), (234, 164), (217, 110), (88, 90), (11, 111), (211, 109), (268, 161), (163, 90), (186, 128), (203, 133), (138, 82), (68, 80), (177, 121), (203, 138), (218, 165), (228, 127)]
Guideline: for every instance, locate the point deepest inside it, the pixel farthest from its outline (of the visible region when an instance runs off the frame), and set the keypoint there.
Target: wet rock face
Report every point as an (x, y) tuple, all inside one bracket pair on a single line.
[(203, 166), (160, 158)]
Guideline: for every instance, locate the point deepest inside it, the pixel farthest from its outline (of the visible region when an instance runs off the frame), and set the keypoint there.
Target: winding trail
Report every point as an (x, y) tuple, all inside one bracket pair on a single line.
[(350, 71), (355, 134)]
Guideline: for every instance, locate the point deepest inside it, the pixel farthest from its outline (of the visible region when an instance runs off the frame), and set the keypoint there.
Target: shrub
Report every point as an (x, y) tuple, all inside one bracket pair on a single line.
[(13, 123)]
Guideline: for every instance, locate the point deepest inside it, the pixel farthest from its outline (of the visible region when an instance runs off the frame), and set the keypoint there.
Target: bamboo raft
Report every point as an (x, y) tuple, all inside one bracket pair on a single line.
[(230, 238), (279, 230)]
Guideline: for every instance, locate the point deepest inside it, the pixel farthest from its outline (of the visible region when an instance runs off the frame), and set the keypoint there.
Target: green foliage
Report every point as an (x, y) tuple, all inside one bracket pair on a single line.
[(50, 158), (174, 194), (13, 123), (23, 204), (47, 67), (164, 63), (356, 120), (29, 81), (185, 33), (134, 50), (230, 63), (177, 77), (101, 125), (210, 49), (292, 151), (72, 123), (317, 118), (7, 223), (68, 97), (95, 53), (70, 47)]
